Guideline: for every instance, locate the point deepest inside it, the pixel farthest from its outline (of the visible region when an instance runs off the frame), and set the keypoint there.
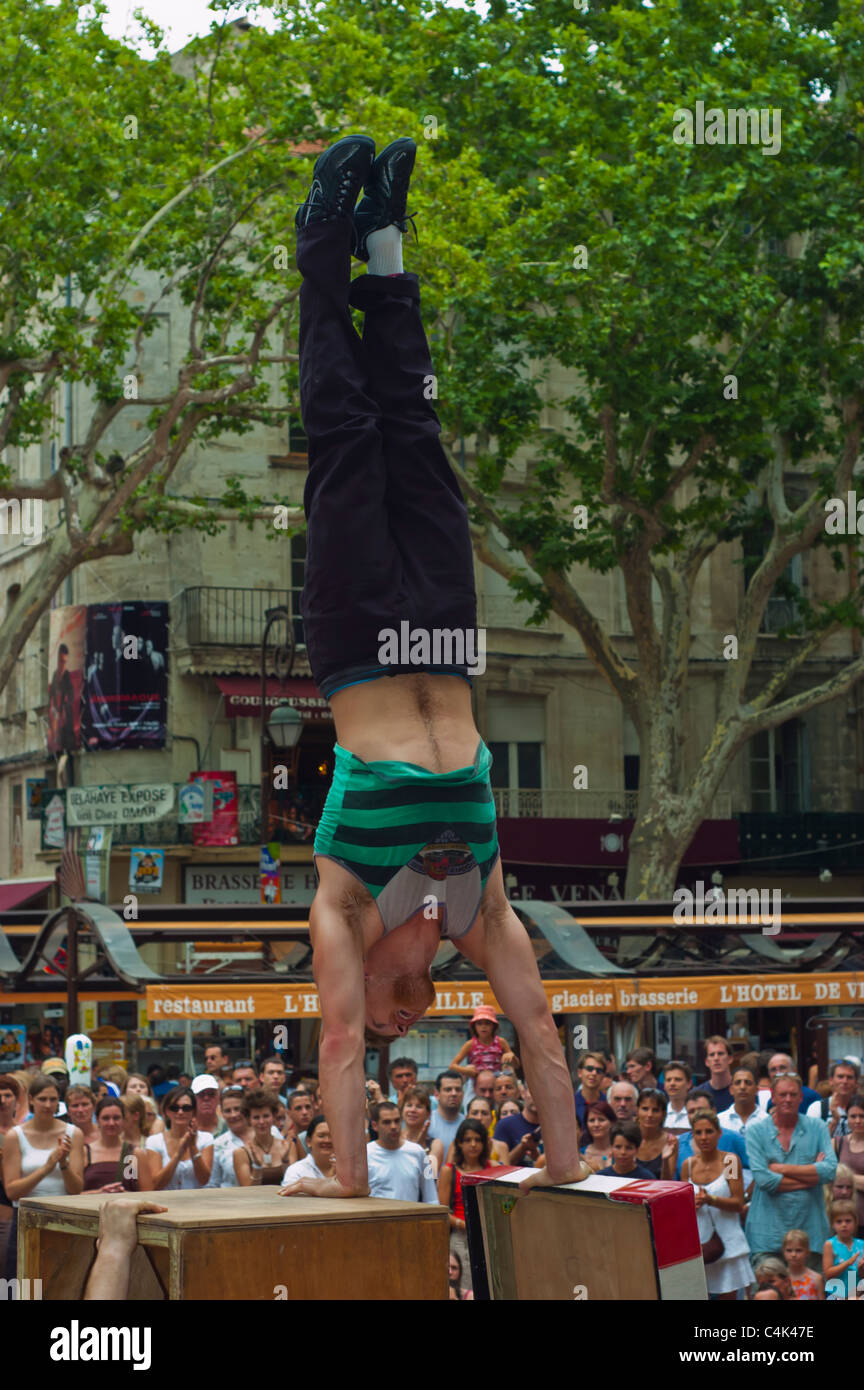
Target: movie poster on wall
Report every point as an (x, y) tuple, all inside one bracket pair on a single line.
[(126, 676), (66, 634)]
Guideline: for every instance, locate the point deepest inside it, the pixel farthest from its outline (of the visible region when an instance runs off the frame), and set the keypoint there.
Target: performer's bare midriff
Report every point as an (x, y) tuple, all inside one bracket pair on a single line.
[(422, 719), (406, 850)]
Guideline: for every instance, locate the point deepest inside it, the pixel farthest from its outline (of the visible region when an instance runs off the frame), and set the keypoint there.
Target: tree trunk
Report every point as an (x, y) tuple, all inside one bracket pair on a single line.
[(653, 855)]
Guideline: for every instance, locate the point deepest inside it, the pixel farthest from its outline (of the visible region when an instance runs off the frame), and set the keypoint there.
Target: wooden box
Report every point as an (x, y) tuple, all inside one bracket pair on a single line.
[(602, 1239), (246, 1243)]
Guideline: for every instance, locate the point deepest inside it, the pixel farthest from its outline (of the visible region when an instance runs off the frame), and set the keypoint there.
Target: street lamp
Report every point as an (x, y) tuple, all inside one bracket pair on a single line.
[(284, 727)]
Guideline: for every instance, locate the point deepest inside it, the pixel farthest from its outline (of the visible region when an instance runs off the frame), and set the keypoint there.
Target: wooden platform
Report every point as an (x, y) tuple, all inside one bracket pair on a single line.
[(604, 1239), (246, 1243)]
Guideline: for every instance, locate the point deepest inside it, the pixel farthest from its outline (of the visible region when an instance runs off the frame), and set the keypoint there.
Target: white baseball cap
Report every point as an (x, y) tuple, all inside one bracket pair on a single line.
[(205, 1082)]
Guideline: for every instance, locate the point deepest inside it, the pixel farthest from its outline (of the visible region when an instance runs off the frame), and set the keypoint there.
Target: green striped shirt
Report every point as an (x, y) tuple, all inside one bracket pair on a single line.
[(379, 815)]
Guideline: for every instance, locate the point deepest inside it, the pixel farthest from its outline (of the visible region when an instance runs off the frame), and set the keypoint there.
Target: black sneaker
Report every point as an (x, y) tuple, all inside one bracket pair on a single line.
[(337, 178), (386, 191)]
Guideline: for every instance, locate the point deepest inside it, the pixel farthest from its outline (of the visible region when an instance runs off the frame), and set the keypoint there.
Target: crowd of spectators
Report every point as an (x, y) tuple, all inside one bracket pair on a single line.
[(777, 1167)]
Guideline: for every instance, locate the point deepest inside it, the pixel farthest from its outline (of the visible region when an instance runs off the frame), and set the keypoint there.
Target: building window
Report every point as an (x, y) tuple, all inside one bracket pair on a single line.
[(516, 764), (779, 769), (516, 735)]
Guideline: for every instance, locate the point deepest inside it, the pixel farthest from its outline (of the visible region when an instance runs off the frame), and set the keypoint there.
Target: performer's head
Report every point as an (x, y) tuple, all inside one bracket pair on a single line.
[(395, 1003)]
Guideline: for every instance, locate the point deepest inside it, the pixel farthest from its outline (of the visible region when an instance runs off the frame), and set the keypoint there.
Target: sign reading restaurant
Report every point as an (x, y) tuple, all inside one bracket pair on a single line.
[(118, 804), (563, 996)]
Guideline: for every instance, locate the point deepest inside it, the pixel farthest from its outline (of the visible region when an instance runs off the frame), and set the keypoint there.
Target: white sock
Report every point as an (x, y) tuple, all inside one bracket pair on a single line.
[(385, 251)]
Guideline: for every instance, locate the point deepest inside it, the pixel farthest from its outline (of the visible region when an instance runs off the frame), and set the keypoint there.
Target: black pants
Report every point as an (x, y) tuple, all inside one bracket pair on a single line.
[(387, 528)]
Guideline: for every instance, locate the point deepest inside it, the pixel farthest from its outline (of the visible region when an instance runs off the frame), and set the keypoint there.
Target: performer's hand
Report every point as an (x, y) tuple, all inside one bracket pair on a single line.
[(321, 1187), (118, 1223)]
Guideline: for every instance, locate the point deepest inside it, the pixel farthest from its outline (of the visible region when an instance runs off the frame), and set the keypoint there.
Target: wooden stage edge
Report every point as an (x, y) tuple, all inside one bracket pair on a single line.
[(223, 1244)]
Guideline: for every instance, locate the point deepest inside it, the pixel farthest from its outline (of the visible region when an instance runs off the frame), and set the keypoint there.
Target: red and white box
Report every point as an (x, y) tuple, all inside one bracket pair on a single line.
[(602, 1239)]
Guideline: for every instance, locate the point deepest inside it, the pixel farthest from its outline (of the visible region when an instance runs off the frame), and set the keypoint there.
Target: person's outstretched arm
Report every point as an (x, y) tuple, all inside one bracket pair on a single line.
[(118, 1236), (338, 968), (499, 945)]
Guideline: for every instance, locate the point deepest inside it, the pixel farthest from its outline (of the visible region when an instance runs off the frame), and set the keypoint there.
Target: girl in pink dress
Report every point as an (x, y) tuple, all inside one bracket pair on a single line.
[(484, 1050)]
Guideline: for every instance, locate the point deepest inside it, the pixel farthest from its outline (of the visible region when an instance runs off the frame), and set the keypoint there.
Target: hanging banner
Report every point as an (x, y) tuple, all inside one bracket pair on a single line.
[(270, 881), (118, 804), (223, 828), (126, 678), (97, 862), (66, 663), (54, 821), (564, 996)]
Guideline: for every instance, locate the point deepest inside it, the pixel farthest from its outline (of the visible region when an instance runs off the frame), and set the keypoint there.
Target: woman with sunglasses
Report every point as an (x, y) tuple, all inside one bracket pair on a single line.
[(180, 1156), (658, 1150)]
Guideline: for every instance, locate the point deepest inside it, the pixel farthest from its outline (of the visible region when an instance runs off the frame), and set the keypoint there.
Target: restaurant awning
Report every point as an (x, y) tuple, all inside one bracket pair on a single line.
[(14, 892), (242, 696), (617, 995)]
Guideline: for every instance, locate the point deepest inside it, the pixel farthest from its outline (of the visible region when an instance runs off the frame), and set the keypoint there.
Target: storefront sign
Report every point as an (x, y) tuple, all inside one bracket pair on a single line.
[(241, 883), (564, 996), (118, 804)]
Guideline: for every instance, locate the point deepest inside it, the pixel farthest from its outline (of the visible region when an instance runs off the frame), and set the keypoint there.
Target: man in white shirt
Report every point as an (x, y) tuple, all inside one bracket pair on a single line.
[(677, 1079), (747, 1108), (748, 1105), (398, 1168)]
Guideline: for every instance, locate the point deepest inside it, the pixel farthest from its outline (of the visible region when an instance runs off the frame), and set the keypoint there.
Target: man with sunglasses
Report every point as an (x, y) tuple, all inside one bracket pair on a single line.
[(591, 1069)]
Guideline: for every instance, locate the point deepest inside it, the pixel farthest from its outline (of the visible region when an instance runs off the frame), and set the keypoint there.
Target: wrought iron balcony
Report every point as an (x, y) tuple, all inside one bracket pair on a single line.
[(566, 803), (214, 616)]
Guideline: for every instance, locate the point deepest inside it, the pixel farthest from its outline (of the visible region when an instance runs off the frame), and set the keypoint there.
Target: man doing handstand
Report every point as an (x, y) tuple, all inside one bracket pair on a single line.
[(406, 849)]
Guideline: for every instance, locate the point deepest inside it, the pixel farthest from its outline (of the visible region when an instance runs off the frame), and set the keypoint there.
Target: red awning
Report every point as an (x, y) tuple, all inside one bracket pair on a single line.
[(242, 696), (16, 891)]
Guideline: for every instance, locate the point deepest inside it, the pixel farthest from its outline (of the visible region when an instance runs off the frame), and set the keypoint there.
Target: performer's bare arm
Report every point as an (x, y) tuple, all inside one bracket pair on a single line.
[(337, 942), (499, 945)]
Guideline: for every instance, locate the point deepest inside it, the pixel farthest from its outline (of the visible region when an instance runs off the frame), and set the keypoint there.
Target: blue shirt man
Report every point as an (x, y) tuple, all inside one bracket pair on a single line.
[(791, 1156)]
